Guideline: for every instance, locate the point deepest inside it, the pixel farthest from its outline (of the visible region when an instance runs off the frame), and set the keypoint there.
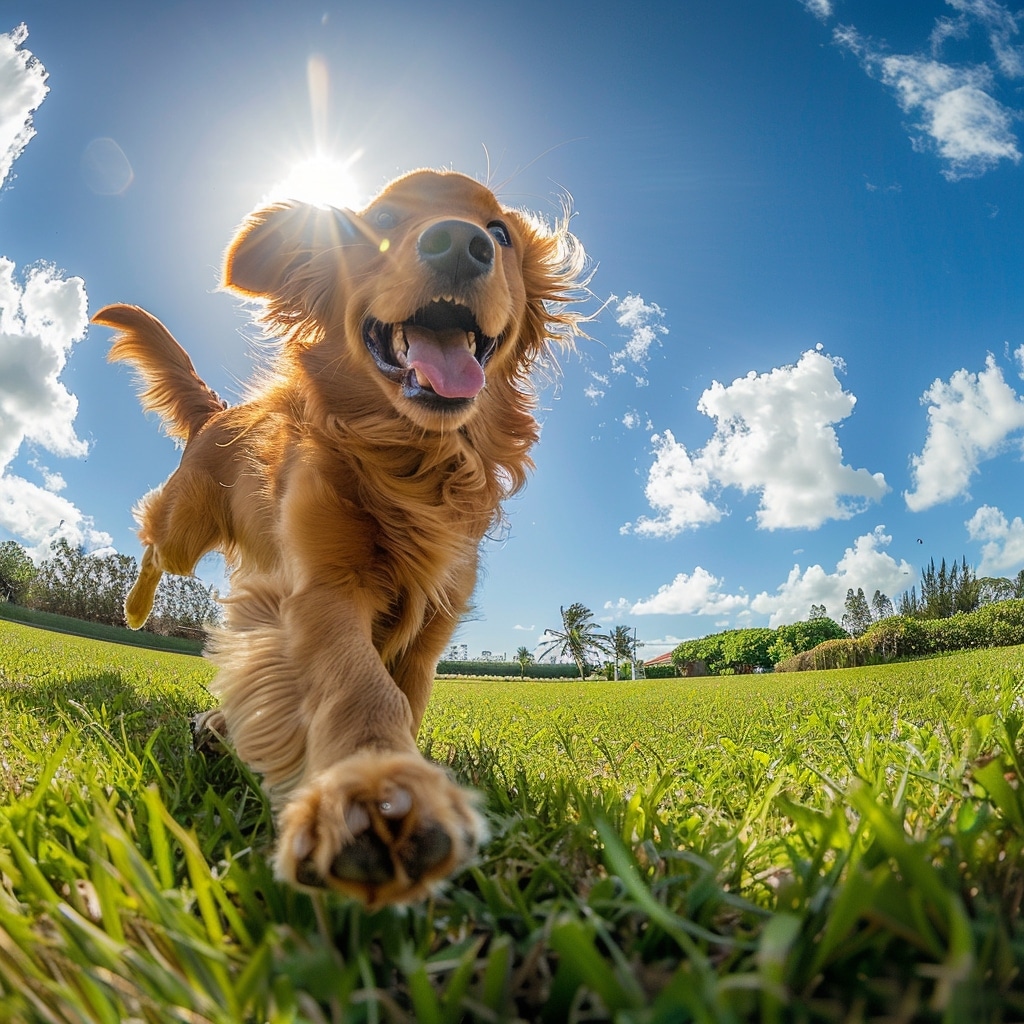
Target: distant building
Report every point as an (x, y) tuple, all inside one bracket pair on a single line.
[(661, 659), (689, 669)]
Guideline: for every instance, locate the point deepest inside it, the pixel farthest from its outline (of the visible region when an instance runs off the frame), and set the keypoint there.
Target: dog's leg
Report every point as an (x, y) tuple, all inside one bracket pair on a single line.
[(139, 602), (179, 522), (372, 817), (309, 704), (415, 671), (415, 668)]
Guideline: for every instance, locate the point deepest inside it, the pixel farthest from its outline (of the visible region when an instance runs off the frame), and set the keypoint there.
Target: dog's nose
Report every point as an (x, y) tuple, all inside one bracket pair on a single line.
[(457, 250)]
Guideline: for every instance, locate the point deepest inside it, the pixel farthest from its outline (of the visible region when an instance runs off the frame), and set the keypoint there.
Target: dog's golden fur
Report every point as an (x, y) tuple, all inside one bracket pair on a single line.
[(349, 494)]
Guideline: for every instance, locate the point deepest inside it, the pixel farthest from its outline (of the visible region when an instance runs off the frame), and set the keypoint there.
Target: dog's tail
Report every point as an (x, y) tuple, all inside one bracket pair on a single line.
[(172, 387)]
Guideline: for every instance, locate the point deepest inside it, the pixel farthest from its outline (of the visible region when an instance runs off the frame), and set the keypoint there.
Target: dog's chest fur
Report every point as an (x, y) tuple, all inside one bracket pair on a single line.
[(412, 520)]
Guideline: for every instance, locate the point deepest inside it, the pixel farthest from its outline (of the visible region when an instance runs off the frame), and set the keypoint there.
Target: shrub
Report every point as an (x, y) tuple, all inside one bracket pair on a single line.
[(846, 653), (901, 636), (1005, 621), (802, 662)]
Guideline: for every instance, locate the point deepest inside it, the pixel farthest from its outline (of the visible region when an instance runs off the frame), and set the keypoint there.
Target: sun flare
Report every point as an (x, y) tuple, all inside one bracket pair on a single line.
[(321, 181)]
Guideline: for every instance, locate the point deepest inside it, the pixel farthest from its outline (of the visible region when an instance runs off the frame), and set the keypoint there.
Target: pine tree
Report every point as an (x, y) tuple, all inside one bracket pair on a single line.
[(881, 606), (858, 613)]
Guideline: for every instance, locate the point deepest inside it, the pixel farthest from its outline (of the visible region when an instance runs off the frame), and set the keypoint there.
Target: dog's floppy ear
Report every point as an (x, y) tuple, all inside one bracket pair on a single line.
[(276, 241)]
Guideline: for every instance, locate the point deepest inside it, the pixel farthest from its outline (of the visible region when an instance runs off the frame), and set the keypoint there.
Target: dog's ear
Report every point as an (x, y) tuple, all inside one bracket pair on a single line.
[(276, 242), (554, 276)]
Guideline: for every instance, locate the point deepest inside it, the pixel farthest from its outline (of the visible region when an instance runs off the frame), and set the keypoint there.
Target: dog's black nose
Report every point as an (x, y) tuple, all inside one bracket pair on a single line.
[(456, 250)]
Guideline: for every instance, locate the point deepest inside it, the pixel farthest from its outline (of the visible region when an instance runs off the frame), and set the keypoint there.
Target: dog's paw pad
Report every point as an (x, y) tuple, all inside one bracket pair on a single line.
[(365, 861), (383, 828), (428, 848)]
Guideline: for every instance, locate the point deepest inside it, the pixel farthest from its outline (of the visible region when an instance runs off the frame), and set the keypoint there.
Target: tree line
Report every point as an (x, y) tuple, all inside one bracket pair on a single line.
[(93, 588), (944, 592)]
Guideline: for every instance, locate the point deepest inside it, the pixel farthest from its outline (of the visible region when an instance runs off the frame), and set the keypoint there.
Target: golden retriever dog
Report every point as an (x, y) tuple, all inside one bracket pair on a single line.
[(349, 493)]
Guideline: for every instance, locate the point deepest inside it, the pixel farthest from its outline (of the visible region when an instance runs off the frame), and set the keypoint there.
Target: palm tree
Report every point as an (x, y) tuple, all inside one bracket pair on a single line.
[(524, 656), (577, 638), (621, 645)]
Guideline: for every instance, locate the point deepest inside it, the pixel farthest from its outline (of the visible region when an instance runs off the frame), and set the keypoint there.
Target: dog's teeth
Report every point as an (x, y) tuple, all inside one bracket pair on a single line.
[(399, 345), (471, 340)]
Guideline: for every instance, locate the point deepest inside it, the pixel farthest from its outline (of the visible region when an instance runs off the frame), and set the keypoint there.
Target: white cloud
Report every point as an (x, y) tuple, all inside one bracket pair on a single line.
[(970, 418), (821, 9), (774, 435), (865, 566), (41, 317), (650, 649), (1001, 25), (645, 323), (1003, 547), (22, 88), (52, 481), (633, 420), (617, 609), (675, 488), (39, 516), (39, 323), (695, 594), (959, 117)]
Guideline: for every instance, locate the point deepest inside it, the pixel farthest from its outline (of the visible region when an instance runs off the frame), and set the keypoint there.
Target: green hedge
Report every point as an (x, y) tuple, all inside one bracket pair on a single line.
[(995, 625), (505, 668), (660, 672)]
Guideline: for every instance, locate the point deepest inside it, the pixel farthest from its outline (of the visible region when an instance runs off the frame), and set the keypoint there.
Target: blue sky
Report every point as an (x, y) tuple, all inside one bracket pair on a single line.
[(805, 217)]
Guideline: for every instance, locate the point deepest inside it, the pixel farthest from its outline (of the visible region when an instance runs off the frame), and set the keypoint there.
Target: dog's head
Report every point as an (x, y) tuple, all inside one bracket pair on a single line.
[(434, 289)]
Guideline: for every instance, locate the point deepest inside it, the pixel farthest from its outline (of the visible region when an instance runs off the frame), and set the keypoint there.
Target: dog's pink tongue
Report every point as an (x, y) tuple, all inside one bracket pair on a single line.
[(443, 361)]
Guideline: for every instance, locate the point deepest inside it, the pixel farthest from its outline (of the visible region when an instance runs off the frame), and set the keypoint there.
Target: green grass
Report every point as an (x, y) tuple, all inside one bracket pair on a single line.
[(98, 630), (817, 847)]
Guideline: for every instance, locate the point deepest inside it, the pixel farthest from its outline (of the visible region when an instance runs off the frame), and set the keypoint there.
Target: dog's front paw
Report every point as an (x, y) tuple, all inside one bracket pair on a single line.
[(209, 731), (383, 827)]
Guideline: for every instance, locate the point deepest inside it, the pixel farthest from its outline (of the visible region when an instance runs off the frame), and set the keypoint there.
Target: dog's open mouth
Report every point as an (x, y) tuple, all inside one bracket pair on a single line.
[(438, 353)]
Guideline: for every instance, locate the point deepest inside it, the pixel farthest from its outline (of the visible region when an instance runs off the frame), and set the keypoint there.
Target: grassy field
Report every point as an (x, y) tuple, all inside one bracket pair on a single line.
[(98, 631), (817, 847)]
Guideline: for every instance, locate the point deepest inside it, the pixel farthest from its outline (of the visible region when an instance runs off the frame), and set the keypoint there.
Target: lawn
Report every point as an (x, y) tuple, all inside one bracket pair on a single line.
[(820, 847)]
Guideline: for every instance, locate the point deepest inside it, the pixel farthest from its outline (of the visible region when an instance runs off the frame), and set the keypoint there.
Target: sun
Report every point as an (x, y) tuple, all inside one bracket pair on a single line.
[(321, 181)]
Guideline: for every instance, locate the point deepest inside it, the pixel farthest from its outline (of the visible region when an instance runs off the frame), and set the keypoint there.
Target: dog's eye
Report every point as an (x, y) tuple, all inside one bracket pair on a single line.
[(501, 233), (385, 219)]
